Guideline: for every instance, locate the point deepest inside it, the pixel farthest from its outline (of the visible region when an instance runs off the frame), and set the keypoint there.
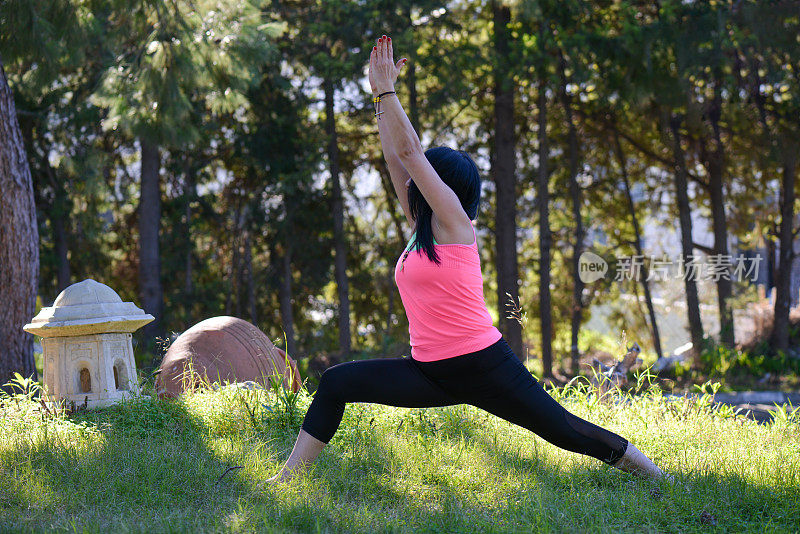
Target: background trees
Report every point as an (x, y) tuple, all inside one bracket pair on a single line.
[(19, 251), (212, 157), (49, 36)]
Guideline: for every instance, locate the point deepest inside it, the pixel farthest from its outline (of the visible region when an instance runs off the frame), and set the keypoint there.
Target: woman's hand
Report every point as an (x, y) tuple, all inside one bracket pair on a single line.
[(383, 70)]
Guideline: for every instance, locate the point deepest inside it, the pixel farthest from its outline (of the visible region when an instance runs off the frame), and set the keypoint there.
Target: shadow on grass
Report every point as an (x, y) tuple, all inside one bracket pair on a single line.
[(582, 496), (144, 465), (150, 466)]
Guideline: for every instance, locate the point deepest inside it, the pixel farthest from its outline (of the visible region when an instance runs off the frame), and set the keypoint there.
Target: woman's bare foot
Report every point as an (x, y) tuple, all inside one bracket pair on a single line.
[(281, 476), (635, 462), (305, 451)]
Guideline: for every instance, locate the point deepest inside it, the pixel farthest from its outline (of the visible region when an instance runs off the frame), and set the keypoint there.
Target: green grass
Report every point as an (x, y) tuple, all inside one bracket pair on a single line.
[(157, 466)]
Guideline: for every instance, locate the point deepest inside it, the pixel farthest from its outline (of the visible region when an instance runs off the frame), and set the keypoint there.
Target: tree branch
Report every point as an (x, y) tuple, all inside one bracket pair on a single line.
[(450, 121), (704, 248), (601, 122)]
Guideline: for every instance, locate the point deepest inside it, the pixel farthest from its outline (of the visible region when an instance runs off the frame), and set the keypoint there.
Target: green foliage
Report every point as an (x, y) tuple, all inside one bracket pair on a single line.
[(721, 361), (49, 32), (286, 404), (175, 56), (21, 388)]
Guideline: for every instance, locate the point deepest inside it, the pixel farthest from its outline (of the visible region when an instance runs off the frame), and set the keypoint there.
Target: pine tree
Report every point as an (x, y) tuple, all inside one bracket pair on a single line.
[(173, 54), (49, 35)]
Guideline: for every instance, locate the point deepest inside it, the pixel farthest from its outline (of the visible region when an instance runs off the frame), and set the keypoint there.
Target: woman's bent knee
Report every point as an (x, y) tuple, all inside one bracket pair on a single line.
[(336, 381), (328, 382)]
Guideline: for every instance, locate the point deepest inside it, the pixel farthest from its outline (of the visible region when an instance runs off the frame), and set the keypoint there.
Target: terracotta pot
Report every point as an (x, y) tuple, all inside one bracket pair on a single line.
[(222, 350)]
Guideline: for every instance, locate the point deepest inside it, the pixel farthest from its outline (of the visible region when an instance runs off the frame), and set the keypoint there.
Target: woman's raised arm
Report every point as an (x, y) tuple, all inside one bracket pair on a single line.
[(397, 172), (396, 130)]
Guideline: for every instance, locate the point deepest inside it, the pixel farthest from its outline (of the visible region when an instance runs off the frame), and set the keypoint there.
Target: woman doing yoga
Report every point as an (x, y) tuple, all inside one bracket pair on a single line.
[(457, 355)]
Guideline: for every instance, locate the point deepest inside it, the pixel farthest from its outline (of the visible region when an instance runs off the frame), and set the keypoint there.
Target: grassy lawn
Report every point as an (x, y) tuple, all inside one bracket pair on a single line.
[(160, 466)]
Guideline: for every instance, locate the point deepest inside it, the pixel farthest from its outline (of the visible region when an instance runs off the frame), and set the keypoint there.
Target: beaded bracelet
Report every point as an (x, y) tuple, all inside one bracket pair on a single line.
[(377, 102)]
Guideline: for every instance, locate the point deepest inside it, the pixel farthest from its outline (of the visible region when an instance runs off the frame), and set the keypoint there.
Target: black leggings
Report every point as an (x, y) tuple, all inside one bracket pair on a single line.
[(492, 379)]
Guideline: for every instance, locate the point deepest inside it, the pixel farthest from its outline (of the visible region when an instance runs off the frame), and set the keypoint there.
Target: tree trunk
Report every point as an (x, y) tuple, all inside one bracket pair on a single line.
[(411, 85), (545, 237), (392, 206), (716, 169), (687, 243), (411, 78), (780, 330), (724, 284), (238, 274), (149, 249), (390, 307), (232, 298), (58, 213), (772, 256), (638, 244), (504, 175), (340, 250), (251, 283), (285, 297), (576, 315), (401, 242), (19, 244), (188, 197), (59, 221)]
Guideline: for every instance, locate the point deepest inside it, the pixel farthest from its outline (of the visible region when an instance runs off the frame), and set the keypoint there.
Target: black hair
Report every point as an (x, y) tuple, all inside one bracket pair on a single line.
[(459, 173)]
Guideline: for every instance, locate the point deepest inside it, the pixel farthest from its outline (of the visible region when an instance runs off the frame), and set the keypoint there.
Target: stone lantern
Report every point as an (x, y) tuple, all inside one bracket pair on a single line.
[(86, 340)]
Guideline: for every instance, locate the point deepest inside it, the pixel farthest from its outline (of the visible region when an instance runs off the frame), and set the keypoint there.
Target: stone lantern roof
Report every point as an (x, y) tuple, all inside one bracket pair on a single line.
[(87, 308)]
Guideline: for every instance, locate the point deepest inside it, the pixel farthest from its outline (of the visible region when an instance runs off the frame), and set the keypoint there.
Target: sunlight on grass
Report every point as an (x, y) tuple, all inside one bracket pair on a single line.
[(199, 464)]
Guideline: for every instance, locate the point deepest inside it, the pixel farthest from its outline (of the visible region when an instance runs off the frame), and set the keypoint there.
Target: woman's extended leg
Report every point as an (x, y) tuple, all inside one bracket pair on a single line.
[(395, 382), (523, 401), (495, 380)]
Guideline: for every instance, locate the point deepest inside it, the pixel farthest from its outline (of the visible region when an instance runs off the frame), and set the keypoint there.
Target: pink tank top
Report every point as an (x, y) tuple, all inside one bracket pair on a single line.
[(447, 314)]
